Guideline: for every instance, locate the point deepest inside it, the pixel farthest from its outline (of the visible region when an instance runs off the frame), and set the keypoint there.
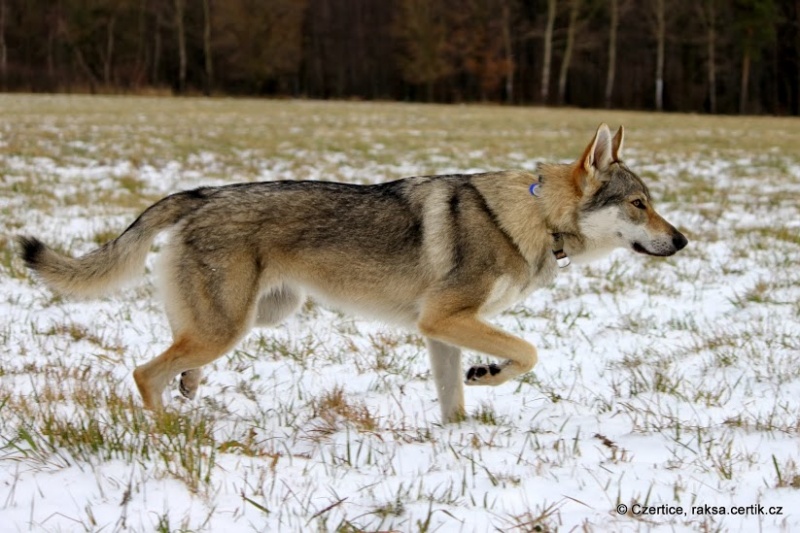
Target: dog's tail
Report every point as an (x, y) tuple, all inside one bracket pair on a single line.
[(115, 262)]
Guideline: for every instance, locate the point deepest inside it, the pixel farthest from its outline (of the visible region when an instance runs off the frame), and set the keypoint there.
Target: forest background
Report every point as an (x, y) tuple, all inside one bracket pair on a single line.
[(713, 56)]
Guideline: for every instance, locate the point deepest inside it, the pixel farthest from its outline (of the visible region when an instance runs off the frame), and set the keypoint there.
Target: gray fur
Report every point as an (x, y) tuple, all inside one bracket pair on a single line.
[(618, 183), (439, 254)]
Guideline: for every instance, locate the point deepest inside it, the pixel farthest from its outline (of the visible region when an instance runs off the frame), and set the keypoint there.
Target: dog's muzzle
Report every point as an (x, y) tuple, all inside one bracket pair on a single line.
[(663, 249)]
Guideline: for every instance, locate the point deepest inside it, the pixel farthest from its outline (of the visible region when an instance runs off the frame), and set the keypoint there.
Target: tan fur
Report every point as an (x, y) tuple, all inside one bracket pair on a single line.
[(439, 254)]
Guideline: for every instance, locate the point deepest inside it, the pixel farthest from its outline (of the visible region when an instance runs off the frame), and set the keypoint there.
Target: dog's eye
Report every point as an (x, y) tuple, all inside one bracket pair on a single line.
[(638, 204)]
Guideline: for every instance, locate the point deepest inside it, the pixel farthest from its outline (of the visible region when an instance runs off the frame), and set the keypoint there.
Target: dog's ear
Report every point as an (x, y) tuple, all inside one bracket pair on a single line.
[(616, 144), (599, 154)]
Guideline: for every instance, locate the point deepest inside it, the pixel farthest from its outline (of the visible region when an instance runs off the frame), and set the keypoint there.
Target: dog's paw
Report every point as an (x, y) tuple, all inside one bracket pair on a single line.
[(185, 392), (483, 374), (189, 383)]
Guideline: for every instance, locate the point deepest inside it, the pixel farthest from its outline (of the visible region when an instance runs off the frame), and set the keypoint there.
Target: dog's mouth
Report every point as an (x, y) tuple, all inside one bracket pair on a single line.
[(642, 250)]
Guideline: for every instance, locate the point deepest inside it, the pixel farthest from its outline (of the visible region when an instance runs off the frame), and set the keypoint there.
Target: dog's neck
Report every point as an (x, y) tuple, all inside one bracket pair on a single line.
[(532, 220), (523, 216), (561, 194), (559, 197)]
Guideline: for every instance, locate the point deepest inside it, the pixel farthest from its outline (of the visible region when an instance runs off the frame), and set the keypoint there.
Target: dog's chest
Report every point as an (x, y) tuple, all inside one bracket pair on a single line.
[(507, 291)]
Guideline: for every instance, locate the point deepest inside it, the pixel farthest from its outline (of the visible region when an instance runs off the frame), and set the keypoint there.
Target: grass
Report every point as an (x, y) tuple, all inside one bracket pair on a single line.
[(660, 380)]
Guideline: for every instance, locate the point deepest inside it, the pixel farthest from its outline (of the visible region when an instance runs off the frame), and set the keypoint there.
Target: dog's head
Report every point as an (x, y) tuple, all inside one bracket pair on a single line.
[(616, 209)]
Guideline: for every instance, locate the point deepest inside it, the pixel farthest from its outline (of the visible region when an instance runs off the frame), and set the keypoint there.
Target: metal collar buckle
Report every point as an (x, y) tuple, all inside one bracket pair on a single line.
[(562, 259)]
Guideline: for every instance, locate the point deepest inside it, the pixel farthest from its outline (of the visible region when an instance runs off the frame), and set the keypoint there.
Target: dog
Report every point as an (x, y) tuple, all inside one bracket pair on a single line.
[(439, 254)]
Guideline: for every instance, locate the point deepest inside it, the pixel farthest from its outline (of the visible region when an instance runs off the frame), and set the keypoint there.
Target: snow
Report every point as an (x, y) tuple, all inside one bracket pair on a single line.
[(661, 382)]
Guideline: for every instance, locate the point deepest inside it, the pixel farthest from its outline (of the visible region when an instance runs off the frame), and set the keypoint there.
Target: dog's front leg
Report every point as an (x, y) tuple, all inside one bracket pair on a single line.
[(467, 330), (446, 367)]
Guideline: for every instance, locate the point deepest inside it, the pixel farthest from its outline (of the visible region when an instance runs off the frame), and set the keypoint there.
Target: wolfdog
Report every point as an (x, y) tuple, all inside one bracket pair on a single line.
[(439, 254)]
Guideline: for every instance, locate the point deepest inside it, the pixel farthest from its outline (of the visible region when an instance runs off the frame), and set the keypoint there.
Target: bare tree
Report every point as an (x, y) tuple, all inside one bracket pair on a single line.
[(548, 49), (108, 56), (508, 52), (708, 15), (66, 32), (754, 22), (661, 37), (733, 54), (54, 27), (140, 64), (181, 34), (612, 51), (209, 85), (3, 49), (565, 62), (478, 45), (259, 42), (157, 48), (420, 26), (745, 81)]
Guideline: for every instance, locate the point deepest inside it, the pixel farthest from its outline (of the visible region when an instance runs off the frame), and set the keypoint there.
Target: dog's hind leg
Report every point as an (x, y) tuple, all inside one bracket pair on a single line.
[(272, 309), (209, 312), (187, 352), (446, 367)]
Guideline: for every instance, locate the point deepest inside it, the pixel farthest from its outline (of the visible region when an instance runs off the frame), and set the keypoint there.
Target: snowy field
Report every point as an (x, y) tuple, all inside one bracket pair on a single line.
[(662, 383)]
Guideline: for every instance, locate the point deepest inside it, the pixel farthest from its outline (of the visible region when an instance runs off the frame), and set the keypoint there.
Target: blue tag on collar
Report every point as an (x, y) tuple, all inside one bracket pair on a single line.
[(534, 189)]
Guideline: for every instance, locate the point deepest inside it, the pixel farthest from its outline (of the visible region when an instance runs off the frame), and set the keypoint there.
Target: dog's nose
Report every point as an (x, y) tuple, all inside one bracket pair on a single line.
[(679, 241)]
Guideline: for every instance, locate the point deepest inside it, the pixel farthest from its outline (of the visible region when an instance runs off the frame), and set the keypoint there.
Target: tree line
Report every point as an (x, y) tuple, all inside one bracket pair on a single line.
[(715, 56)]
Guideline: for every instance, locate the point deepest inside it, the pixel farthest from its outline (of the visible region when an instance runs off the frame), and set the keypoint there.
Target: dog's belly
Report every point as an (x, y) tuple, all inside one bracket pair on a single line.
[(402, 313)]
